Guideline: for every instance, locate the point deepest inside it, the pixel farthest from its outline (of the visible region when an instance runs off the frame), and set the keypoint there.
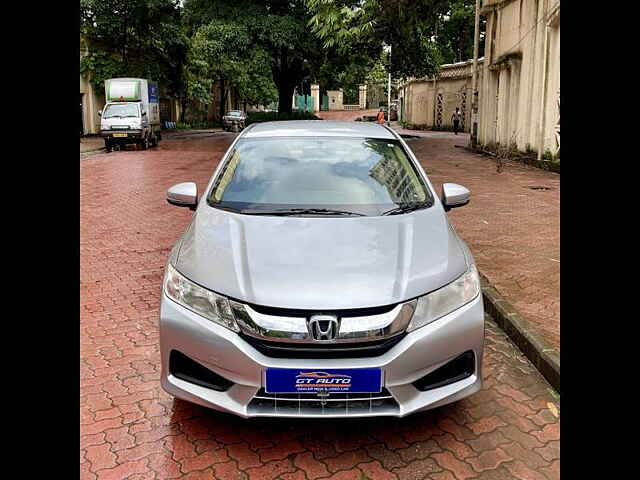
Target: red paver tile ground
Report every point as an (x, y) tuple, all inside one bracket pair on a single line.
[(130, 428), (344, 116), (512, 230)]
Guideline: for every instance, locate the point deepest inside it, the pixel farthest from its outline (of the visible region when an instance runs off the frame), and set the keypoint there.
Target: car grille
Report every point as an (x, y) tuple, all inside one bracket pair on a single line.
[(373, 348), (349, 312), (335, 405)]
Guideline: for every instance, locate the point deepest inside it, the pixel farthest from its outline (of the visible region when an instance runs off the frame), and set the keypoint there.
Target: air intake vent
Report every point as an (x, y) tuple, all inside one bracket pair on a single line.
[(184, 368), (459, 368)]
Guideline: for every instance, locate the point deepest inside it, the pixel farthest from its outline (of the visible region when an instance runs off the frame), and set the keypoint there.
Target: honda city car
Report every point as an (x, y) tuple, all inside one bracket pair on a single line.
[(320, 277)]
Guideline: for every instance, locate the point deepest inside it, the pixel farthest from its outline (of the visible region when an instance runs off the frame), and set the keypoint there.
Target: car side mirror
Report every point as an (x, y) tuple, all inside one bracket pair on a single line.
[(183, 195), (99, 114), (144, 114), (454, 195)]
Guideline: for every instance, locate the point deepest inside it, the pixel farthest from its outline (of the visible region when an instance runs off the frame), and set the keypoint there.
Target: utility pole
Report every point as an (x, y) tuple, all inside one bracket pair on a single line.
[(474, 80), (389, 91)]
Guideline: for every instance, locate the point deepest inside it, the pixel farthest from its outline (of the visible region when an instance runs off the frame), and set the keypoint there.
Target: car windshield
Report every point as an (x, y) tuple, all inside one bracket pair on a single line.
[(121, 110), (360, 176), (234, 113)]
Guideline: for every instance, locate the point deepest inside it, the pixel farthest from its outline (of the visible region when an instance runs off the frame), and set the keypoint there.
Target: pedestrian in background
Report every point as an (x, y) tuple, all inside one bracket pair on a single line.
[(456, 120), (380, 117)]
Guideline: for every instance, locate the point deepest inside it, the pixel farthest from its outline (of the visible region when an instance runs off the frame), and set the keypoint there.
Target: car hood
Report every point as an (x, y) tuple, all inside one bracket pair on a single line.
[(320, 263)]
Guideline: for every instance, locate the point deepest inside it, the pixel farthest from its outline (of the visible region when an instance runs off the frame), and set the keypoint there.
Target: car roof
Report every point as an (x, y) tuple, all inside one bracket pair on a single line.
[(318, 128)]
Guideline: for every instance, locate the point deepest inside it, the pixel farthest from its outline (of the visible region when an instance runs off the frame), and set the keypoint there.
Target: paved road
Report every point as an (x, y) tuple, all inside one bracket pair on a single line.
[(131, 429), (512, 229)]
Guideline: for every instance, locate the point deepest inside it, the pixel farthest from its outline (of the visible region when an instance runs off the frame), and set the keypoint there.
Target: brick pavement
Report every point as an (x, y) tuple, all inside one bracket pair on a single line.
[(131, 429), (512, 230), (344, 116)]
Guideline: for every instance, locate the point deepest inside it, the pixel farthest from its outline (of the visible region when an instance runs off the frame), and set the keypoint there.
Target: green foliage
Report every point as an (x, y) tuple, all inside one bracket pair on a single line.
[(198, 125), (101, 66), (224, 50), (456, 26), (423, 34), (258, 117), (134, 38), (279, 48)]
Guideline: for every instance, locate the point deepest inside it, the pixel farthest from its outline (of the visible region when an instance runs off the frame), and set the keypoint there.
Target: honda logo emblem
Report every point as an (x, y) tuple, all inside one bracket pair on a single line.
[(323, 327)]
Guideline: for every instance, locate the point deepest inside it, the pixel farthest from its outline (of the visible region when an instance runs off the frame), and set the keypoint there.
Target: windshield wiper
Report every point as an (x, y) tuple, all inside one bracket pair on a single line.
[(407, 207), (302, 211)]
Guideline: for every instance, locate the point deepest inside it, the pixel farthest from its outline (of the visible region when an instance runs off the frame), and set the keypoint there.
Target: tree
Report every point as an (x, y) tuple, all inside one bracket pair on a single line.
[(406, 25), (224, 51), (134, 38), (277, 31), (456, 26)]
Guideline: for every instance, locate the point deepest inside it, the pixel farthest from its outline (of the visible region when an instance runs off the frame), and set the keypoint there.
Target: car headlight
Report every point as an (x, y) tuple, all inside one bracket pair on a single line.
[(199, 300), (439, 303)]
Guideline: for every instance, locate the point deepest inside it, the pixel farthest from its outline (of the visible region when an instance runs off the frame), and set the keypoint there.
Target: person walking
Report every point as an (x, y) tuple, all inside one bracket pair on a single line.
[(380, 117), (456, 120)]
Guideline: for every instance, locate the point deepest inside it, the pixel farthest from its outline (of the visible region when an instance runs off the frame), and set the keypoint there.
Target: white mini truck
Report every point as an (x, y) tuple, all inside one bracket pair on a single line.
[(131, 114)]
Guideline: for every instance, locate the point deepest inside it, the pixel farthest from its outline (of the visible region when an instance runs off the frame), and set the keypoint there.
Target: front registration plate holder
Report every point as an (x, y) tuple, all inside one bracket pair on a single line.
[(119, 134), (343, 380)]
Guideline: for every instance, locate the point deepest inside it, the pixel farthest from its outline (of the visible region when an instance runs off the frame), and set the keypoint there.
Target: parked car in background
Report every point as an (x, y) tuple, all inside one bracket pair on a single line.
[(234, 119), (320, 277)]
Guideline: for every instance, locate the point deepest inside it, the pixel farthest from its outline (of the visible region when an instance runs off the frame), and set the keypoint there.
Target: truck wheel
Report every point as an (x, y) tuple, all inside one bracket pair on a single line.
[(107, 146)]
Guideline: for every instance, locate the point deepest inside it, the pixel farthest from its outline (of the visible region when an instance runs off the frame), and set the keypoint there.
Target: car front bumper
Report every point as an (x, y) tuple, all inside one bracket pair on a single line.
[(227, 354), (131, 135)]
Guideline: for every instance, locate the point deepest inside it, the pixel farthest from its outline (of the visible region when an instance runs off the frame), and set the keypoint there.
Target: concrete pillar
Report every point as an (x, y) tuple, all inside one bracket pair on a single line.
[(362, 97), (315, 94)]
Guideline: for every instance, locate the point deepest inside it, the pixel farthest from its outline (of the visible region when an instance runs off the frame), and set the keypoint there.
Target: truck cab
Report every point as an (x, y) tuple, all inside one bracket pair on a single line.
[(131, 114)]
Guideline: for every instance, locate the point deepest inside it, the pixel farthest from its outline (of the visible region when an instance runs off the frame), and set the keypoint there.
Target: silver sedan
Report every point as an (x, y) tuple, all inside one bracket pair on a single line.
[(320, 277)]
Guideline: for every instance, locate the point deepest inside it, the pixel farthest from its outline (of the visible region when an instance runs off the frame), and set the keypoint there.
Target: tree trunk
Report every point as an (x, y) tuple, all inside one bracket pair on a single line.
[(223, 98), (285, 97)]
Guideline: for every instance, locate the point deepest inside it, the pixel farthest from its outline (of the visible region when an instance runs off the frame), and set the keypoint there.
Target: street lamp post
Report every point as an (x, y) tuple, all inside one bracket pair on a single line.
[(474, 80), (389, 91)]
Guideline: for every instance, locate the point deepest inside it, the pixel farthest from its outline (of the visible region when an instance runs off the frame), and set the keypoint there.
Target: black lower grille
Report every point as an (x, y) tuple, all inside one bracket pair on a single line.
[(461, 367), (336, 404), (184, 368), (322, 350)]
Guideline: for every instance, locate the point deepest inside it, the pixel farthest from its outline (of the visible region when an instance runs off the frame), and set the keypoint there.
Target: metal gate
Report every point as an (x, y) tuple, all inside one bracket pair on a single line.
[(325, 102), (304, 103)]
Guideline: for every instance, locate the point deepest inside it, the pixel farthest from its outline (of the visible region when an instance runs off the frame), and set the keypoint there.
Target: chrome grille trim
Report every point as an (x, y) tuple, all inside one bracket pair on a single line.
[(295, 329)]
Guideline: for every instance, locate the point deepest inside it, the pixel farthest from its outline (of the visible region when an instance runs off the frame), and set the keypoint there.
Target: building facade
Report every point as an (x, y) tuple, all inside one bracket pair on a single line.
[(91, 100), (429, 103), (519, 93)]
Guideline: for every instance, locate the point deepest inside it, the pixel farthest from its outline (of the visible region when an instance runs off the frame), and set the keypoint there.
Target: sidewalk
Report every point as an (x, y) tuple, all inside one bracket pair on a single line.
[(88, 144), (512, 223)]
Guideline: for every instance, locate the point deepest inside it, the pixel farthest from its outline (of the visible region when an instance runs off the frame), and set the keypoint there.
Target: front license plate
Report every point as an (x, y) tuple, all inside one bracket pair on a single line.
[(356, 380), (119, 134)]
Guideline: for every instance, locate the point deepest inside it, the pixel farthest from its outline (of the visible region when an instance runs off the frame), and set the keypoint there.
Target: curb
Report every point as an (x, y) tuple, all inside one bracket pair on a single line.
[(545, 358), (91, 152)]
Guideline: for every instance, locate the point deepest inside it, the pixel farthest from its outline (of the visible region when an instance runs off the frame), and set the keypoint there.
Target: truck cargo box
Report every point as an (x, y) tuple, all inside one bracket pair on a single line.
[(135, 90)]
